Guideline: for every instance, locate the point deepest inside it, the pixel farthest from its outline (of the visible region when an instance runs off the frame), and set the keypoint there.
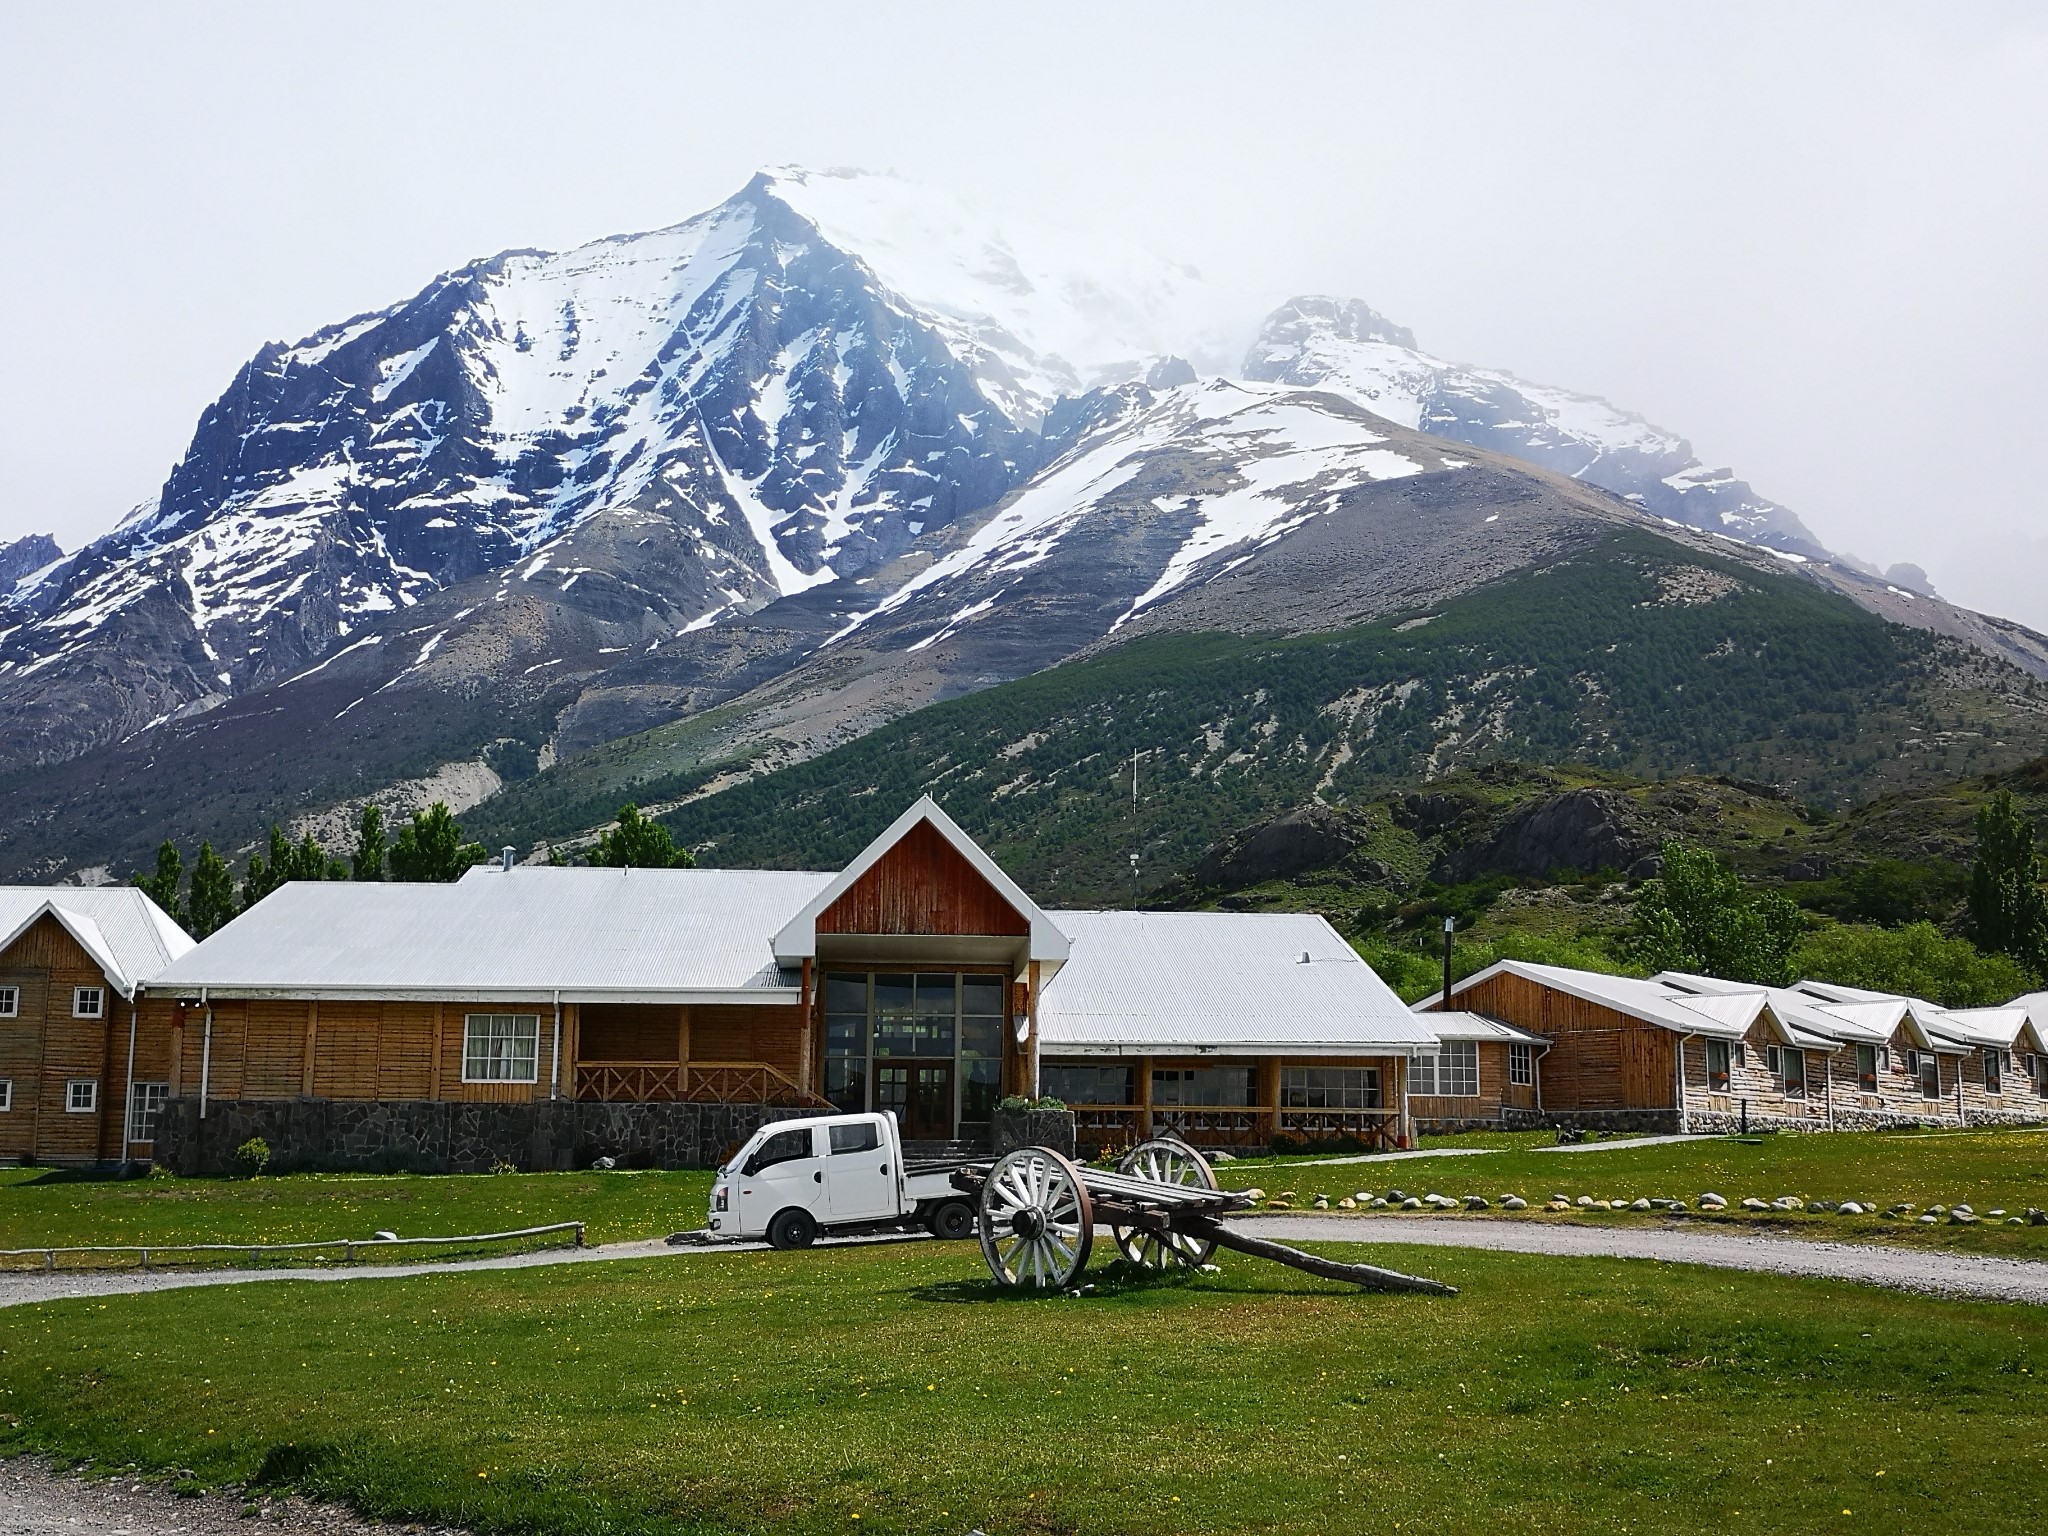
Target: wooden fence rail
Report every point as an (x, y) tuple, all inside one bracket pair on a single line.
[(350, 1246)]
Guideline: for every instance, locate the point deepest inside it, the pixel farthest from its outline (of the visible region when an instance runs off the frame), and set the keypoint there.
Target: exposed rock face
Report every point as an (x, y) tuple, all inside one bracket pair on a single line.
[(25, 555), (1309, 837), (1585, 829)]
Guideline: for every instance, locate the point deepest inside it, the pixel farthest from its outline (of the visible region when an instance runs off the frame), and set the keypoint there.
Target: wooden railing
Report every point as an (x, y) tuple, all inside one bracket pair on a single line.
[(1370, 1127), (1204, 1125), (688, 1082)]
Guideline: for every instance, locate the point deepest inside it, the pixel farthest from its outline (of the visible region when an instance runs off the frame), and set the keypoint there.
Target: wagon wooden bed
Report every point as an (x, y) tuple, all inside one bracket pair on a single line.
[(1037, 1212)]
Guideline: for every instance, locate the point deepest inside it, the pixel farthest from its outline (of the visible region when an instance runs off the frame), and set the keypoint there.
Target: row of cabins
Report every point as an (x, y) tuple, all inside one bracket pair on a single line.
[(543, 1016)]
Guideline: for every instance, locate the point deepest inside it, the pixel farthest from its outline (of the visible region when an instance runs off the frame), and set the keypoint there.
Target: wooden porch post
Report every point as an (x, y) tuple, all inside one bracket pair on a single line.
[(1031, 1043), (805, 1032), (440, 1037), (1269, 1096), (312, 1046), (1144, 1098)]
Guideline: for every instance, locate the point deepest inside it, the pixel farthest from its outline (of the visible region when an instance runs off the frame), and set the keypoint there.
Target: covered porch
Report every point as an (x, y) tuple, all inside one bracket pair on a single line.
[(1240, 1104)]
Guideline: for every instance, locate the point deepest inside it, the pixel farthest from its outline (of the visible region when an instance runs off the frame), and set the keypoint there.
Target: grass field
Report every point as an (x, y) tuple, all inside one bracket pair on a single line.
[(1987, 1170), (890, 1389), (41, 1207)]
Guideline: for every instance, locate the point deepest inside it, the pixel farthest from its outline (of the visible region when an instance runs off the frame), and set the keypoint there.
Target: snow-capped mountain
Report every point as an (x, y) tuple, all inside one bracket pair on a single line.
[(802, 381), (1341, 344)]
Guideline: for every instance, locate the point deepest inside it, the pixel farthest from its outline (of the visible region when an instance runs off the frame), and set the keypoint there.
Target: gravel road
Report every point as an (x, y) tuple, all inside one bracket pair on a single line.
[(1907, 1269)]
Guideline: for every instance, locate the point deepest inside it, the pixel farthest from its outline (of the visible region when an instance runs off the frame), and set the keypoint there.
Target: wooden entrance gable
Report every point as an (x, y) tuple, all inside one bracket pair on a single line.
[(922, 884)]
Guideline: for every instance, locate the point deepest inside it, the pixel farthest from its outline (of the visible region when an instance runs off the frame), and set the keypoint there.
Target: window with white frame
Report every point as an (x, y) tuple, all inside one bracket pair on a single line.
[(1329, 1088), (10, 1002), (501, 1048), (88, 1002), (1926, 1066), (1522, 1065), (2038, 1070), (1994, 1069), (1866, 1069), (145, 1103), (1452, 1071), (1792, 1068), (81, 1096), (6, 1094)]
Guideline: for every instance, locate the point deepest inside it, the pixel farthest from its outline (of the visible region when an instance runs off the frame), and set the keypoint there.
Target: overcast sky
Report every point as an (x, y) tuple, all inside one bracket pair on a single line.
[(1813, 239)]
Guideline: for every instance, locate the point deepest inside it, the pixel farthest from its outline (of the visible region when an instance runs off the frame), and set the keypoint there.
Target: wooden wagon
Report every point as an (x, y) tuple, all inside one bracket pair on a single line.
[(1037, 1212)]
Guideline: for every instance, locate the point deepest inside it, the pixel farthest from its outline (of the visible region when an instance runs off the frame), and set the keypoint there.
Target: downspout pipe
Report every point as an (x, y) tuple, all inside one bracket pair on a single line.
[(555, 1069), (1678, 1086)]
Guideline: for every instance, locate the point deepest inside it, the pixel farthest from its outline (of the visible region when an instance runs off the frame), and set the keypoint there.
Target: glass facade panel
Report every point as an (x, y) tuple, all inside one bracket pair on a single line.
[(981, 1086), (1185, 1087), (846, 992), (877, 1024), (982, 996), (1329, 1088), (1087, 1083)]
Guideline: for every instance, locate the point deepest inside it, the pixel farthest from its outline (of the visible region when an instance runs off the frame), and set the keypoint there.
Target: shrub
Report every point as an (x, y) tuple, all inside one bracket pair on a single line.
[(252, 1157)]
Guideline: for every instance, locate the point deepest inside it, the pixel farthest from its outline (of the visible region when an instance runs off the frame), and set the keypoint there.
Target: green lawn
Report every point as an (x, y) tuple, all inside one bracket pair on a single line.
[(890, 1389), (1986, 1170), (40, 1207)]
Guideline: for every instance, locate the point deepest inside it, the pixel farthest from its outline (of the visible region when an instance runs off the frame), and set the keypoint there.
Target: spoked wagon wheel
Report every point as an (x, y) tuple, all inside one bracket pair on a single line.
[(1165, 1161), (1036, 1220)]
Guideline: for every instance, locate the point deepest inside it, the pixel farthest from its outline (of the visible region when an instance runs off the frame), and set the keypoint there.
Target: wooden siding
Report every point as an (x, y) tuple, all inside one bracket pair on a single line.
[(737, 1033), (632, 1032), (1600, 1058), (1495, 1091), (922, 885)]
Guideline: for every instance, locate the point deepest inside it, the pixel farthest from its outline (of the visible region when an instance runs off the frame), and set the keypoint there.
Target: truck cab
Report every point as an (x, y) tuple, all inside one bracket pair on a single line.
[(831, 1173)]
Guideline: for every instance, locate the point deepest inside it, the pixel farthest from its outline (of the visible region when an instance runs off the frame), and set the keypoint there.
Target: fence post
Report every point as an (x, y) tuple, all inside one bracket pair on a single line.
[(348, 1253)]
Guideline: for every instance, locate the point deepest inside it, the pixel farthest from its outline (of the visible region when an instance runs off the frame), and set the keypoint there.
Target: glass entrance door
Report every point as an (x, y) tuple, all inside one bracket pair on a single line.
[(925, 1045)]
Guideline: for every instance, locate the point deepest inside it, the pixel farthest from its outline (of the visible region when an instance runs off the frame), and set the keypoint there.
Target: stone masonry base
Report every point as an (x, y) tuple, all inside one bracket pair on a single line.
[(335, 1135)]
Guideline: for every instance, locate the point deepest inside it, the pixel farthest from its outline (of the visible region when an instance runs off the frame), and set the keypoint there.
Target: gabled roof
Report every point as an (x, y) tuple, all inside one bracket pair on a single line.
[(1477, 1026), (1728, 1017), (798, 939), (593, 935), (1231, 983), (1998, 1028), (130, 938)]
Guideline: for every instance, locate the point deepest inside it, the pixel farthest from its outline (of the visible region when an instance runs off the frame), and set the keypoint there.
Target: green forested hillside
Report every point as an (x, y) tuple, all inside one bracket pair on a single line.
[(1639, 656)]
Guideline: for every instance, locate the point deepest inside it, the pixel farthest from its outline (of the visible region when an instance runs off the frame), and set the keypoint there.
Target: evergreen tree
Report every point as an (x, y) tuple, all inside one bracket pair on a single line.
[(368, 862), (638, 842), (1698, 916), (266, 875), (430, 847), (161, 886), (213, 892), (2008, 912)]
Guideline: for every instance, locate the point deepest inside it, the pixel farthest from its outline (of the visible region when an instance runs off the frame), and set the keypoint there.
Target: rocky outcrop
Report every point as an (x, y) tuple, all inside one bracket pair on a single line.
[(26, 554), (1309, 837), (1584, 829)]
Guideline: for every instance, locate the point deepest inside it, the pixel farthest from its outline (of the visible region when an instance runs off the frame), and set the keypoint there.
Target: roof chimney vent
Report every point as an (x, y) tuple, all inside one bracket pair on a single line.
[(505, 857), (1304, 957)]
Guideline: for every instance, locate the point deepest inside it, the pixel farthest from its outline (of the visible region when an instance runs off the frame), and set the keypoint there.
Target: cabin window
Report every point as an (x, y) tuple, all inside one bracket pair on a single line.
[(144, 1105), (1522, 1065), (81, 1096), (1329, 1088), (1204, 1087), (1994, 1069), (782, 1147), (1717, 1066), (1738, 1053), (88, 1002), (1084, 1083), (2037, 1069), (10, 1002), (1866, 1069), (1792, 1065), (864, 1137), (1771, 1060), (1451, 1072), (501, 1048), (6, 1094), (1926, 1066)]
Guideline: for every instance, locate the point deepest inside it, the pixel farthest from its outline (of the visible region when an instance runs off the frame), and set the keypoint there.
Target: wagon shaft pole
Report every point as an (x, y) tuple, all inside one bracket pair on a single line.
[(1370, 1276)]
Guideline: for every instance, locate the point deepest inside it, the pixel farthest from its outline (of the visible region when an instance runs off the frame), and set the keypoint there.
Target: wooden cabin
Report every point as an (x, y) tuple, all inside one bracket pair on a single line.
[(84, 1069), (1479, 1074), (920, 980)]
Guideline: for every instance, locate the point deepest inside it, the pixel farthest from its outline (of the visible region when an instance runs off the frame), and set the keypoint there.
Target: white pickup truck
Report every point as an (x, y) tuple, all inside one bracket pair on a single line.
[(833, 1173)]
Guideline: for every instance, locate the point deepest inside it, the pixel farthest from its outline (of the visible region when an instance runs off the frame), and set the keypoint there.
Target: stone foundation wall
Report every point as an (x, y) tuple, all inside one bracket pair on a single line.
[(413, 1136)]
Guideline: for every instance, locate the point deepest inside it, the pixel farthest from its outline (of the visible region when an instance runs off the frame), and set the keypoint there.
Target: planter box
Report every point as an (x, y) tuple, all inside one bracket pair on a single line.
[(1010, 1129)]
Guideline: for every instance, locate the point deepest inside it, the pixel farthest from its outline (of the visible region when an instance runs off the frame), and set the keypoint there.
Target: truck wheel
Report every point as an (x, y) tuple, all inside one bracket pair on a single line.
[(793, 1228), (953, 1220)]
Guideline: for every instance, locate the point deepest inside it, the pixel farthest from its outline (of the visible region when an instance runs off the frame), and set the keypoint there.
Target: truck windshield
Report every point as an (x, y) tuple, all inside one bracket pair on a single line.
[(782, 1147)]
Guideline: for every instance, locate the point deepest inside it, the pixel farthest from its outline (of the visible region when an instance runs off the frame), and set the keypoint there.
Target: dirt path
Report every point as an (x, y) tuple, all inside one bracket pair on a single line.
[(1909, 1269), (36, 1501)]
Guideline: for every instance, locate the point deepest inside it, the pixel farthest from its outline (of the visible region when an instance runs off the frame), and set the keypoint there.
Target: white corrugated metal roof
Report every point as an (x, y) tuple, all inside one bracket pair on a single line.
[(1476, 1026), (1724, 1017), (131, 937), (590, 934), (1229, 982)]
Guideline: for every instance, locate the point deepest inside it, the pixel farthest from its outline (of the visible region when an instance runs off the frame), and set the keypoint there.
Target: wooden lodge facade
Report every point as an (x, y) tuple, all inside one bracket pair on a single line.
[(84, 1067), (562, 1012)]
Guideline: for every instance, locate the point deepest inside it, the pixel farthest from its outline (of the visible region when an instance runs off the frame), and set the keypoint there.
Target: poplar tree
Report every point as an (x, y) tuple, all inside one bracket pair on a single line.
[(430, 847), (2008, 911), (368, 861), (161, 884), (1698, 916), (638, 842), (213, 892)]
